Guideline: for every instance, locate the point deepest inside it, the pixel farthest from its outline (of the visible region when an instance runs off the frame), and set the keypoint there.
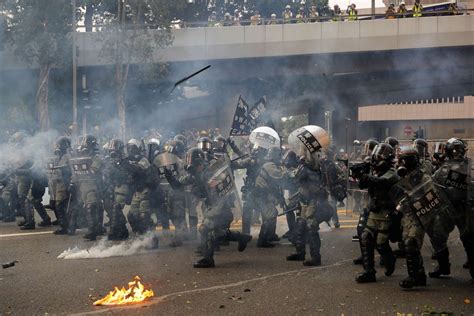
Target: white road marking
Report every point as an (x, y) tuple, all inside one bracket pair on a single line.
[(26, 234), (159, 299)]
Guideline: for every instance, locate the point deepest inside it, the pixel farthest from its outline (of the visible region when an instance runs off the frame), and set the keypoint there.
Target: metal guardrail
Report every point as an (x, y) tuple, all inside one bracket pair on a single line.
[(280, 21)]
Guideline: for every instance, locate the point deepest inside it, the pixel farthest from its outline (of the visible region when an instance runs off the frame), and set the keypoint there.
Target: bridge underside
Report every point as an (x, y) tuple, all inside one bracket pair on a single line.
[(312, 84)]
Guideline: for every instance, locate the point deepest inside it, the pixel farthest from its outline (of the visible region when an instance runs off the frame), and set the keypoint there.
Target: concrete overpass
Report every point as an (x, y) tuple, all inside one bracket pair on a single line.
[(216, 43), (308, 67)]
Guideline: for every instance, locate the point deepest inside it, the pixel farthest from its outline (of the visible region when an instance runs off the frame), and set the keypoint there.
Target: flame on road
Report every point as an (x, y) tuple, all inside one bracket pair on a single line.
[(135, 293)]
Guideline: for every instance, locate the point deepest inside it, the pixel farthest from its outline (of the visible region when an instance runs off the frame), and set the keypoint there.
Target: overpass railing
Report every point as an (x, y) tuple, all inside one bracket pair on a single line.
[(263, 21)]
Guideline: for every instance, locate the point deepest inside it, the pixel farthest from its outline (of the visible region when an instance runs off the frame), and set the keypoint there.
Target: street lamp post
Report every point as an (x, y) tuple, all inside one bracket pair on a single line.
[(74, 72)]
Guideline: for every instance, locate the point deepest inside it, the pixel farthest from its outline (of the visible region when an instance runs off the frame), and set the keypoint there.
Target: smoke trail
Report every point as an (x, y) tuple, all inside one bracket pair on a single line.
[(106, 249)]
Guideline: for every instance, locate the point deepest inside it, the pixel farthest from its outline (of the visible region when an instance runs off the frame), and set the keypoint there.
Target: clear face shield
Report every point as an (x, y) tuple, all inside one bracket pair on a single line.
[(205, 146)]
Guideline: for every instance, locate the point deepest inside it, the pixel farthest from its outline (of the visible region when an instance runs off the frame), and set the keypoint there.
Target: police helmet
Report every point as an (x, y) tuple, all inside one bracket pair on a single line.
[(421, 146), (133, 147), (182, 138), (382, 152), (195, 157), (392, 141), (87, 143), (176, 147), (220, 144), (455, 147), (369, 146), (115, 148), (408, 157), (63, 143), (205, 144)]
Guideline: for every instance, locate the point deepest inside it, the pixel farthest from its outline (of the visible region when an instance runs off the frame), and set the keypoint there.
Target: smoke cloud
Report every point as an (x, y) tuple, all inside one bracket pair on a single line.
[(107, 249), (36, 148)]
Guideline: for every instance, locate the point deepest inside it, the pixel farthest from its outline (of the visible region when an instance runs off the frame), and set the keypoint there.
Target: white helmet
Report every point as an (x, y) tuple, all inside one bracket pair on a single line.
[(308, 140), (264, 137)]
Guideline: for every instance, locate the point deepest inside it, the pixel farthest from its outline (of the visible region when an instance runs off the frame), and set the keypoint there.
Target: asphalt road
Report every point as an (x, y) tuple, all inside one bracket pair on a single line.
[(257, 281)]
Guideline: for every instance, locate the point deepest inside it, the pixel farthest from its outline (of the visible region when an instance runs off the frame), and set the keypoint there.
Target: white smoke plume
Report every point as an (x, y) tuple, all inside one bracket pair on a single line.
[(36, 148), (107, 249)]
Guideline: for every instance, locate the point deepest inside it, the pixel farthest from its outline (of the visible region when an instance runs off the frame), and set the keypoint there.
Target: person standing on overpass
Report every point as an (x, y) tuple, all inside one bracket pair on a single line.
[(417, 9)]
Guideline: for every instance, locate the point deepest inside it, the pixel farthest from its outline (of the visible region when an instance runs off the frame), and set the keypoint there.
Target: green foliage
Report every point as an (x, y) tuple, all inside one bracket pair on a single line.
[(39, 31)]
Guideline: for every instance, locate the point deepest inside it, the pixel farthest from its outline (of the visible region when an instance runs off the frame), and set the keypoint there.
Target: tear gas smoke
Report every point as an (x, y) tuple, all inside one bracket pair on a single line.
[(36, 148), (107, 249)]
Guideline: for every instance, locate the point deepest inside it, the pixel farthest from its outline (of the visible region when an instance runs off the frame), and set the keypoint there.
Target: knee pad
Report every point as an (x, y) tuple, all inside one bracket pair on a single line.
[(203, 229), (367, 236)]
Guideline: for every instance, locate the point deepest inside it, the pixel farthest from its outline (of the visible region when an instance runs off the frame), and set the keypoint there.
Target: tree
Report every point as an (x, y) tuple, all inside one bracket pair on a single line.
[(134, 31), (39, 34)]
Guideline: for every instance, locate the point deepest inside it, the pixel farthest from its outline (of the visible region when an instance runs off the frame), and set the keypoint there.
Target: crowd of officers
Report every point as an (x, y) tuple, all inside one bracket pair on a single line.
[(311, 15), (408, 194), (170, 181), (402, 193)]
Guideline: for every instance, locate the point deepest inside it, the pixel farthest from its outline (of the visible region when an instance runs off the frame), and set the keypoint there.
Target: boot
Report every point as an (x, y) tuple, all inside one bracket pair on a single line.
[(243, 241), (300, 242), (444, 267), (204, 263), (367, 245), (314, 248), (46, 220), (468, 243), (263, 241), (400, 252), (207, 250), (358, 261), (21, 223), (60, 231), (388, 258), (28, 226), (272, 236), (45, 223), (416, 272), (119, 235), (90, 236)]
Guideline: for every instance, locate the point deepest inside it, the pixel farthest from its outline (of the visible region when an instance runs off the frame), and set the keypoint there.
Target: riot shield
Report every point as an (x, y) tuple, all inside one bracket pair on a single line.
[(220, 180), (416, 194), (167, 161)]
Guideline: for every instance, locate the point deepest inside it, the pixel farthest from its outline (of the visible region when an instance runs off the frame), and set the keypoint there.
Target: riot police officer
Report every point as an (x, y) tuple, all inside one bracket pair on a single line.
[(86, 165), (360, 196), (290, 162), (375, 234), (252, 165), (268, 194), (120, 180), (308, 143), (141, 170), (211, 184), (59, 178), (205, 144), (422, 147), (175, 198), (413, 175), (454, 177)]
